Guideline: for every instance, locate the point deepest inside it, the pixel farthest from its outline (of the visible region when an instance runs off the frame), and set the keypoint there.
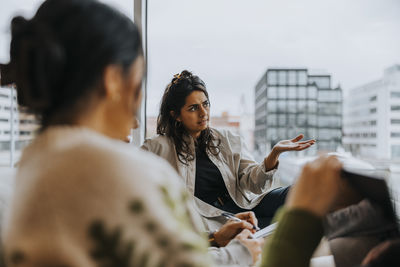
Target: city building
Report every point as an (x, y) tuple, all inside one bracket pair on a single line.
[(293, 101), (17, 128), (6, 101), (371, 121)]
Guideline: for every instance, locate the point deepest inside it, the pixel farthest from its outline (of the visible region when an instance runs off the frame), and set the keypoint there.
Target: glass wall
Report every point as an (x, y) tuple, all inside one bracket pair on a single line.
[(17, 127)]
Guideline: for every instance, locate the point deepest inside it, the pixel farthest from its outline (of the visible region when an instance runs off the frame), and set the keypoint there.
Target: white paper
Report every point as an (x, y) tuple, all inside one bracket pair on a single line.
[(265, 231)]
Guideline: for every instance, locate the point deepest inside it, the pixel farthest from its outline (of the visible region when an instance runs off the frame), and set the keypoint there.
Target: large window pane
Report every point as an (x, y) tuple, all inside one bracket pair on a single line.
[(329, 95), (292, 77), (272, 92), (271, 119), (282, 133), (301, 106), (330, 108), (312, 92), (272, 77), (302, 77), (395, 94), (329, 121), (312, 133), (282, 120), (282, 77), (321, 82), (291, 120), (312, 120), (302, 93), (292, 92), (312, 106), (281, 106), (292, 106), (272, 134), (282, 92), (301, 119), (271, 106)]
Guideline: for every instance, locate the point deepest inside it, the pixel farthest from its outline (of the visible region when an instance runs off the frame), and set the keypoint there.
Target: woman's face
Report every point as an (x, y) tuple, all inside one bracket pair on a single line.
[(195, 114)]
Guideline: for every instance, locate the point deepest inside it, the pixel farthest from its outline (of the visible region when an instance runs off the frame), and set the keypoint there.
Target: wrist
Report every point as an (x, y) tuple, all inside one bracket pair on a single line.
[(271, 161), (211, 239), (274, 153)]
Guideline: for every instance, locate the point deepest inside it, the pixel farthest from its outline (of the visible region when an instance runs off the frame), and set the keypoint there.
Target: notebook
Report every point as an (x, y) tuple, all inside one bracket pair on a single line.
[(269, 230)]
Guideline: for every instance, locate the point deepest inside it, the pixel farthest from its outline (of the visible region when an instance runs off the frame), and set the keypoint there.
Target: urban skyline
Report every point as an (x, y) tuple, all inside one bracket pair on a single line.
[(230, 55)]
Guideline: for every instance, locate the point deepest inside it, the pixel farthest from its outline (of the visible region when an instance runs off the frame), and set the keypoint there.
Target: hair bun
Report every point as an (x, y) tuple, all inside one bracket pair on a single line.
[(19, 25), (37, 63), (184, 75)]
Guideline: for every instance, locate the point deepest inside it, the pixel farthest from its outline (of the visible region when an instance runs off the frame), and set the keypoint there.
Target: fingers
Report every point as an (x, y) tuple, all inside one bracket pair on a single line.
[(253, 245), (297, 138), (245, 234), (248, 216), (240, 225), (312, 141), (302, 147)]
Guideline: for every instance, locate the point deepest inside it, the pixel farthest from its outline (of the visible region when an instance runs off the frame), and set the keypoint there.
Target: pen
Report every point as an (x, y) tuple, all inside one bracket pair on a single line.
[(232, 217)]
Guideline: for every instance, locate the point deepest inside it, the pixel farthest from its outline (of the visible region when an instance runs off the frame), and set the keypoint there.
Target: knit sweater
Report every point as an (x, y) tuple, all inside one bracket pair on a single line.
[(295, 239), (83, 199)]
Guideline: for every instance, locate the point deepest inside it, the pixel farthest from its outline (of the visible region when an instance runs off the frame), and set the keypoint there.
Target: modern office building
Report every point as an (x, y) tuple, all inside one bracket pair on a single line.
[(22, 124), (371, 121), (6, 103), (293, 101)]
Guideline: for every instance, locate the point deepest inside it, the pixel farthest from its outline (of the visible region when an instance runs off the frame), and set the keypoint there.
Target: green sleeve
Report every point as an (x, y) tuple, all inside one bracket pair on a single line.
[(295, 239)]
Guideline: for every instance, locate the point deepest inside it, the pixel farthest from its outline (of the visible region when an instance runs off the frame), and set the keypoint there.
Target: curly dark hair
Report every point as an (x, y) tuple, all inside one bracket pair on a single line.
[(174, 98)]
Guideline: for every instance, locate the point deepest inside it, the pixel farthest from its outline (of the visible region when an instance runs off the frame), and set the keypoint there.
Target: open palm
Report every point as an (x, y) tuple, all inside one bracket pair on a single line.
[(293, 144)]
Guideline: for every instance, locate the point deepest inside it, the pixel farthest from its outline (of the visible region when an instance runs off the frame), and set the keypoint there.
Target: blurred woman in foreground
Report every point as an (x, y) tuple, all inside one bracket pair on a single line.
[(82, 196)]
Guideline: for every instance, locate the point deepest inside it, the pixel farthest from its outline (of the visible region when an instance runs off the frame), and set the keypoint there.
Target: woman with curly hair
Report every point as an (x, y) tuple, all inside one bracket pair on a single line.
[(215, 165)]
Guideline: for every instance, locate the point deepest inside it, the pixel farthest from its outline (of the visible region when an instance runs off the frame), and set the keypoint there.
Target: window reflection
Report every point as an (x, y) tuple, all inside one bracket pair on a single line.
[(292, 77), (292, 106), (282, 77), (272, 92), (292, 92), (272, 78), (282, 92), (302, 77), (302, 92)]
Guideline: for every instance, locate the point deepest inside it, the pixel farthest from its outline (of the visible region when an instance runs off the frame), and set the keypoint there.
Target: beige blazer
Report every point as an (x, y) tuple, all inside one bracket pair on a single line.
[(246, 180)]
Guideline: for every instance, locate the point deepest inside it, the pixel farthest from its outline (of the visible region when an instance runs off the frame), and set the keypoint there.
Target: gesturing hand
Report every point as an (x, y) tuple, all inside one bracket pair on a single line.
[(293, 144)]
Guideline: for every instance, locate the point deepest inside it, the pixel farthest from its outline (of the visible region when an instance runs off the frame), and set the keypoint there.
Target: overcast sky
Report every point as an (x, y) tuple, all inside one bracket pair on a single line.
[(231, 43)]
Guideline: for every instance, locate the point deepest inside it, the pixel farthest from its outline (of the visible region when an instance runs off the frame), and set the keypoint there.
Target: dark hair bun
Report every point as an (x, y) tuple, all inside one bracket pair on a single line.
[(37, 63), (179, 77)]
